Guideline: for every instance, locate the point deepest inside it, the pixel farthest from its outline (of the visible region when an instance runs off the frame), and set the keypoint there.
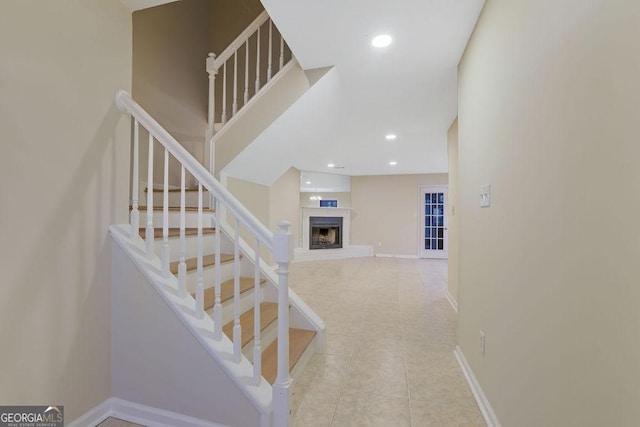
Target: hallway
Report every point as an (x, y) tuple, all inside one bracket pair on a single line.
[(390, 339)]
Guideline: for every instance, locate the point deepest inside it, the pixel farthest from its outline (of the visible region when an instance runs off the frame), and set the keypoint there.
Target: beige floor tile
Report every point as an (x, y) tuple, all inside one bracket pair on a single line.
[(314, 405), (383, 378), (325, 370), (390, 340), (374, 351), (341, 344), (116, 422), (371, 410), (445, 412)]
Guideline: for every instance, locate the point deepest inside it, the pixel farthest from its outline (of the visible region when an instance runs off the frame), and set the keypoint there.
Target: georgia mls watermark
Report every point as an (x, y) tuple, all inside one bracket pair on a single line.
[(31, 416)]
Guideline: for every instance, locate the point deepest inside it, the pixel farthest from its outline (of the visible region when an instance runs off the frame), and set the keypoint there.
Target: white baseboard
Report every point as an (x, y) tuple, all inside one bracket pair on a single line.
[(452, 301), (397, 256), (482, 401), (139, 414)]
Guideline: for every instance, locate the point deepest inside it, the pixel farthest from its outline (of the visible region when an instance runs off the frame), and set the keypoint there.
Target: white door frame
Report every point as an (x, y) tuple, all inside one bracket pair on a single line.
[(428, 253)]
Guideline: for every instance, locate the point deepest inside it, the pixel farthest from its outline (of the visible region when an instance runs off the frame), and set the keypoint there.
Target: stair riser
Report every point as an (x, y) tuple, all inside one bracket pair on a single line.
[(209, 277), (191, 247), (267, 337), (246, 303), (191, 219), (191, 198)]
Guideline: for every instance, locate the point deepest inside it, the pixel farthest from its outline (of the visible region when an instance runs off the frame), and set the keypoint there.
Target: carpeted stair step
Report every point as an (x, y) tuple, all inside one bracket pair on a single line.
[(268, 315), (226, 291), (207, 261), (299, 340), (175, 232)]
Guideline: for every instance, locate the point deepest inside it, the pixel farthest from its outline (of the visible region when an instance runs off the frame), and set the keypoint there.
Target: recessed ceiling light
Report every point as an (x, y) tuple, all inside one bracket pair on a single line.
[(383, 40), (393, 163), (331, 165), (308, 182), (390, 136)]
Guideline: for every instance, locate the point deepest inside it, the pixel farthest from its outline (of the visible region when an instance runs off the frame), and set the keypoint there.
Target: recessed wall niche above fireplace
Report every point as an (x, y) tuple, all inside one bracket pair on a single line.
[(325, 232)]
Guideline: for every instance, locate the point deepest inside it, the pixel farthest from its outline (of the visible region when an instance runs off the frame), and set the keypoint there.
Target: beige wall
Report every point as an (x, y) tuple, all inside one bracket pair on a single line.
[(548, 113), (386, 210), (271, 204), (170, 44), (255, 197), (285, 202), (229, 19), (65, 169), (452, 220)]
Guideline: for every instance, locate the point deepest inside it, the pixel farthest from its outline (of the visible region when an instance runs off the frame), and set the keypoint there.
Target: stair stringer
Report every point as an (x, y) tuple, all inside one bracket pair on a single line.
[(273, 99), (164, 357)]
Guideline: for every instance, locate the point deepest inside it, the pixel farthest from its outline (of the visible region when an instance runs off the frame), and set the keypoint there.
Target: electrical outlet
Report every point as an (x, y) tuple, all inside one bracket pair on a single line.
[(482, 343), (379, 244)]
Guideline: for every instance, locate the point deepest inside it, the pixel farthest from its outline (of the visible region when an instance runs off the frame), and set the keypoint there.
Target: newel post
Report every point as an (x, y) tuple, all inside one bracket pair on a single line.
[(211, 118), (283, 254)]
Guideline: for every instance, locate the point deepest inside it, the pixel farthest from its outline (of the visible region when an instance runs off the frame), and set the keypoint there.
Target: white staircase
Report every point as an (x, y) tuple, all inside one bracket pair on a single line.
[(206, 265)]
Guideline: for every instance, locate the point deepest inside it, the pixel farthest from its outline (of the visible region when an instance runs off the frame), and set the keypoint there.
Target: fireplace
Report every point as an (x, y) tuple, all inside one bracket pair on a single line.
[(325, 232)]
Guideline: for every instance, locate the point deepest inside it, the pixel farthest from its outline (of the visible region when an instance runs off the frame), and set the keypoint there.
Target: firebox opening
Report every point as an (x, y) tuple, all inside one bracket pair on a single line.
[(325, 232)]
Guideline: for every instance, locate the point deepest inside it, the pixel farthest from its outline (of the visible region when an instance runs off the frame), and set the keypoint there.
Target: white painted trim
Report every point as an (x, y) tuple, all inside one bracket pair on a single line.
[(482, 401), (397, 256), (94, 416), (137, 413), (452, 301)]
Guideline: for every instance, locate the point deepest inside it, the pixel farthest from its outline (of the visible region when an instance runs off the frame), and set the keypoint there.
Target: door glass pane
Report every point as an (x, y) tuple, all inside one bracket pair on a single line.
[(427, 221), (427, 232), (440, 244), (426, 244), (440, 197)]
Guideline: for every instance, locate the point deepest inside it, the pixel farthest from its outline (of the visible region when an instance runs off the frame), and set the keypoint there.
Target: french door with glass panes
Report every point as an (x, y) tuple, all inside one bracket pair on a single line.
[(433, 223)]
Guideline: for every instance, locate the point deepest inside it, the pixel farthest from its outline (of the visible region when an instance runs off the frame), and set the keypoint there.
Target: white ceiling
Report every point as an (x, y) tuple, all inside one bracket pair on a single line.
[(408, 88)]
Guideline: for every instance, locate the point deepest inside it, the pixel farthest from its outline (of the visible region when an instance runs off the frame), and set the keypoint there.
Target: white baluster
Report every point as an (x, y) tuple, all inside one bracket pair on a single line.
[(200, 268), (257, 350), (165, 218), (270, 50), (149, 230), (237, 330), (281, 52), (182, 266), (246, 72), (258, 61), (282, 254), (235, 84), (217, 308), (224, 93), (135, 213)]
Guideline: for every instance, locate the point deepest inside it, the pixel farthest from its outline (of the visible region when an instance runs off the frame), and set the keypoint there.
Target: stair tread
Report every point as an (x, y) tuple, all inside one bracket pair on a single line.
[(175, 231), (299, 340), (226, 291), (207, 261), (268, 315), (175, 209)]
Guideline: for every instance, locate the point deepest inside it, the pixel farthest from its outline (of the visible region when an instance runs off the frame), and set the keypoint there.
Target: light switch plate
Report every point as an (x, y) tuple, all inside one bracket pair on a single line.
[(485, 196)]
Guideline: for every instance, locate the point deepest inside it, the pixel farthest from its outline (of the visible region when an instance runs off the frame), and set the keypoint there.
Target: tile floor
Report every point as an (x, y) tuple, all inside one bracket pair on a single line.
[(390, 340)]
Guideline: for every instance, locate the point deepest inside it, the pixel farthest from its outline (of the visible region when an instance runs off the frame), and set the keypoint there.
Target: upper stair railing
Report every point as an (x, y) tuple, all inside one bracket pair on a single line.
[(280, 245), (248, 61)]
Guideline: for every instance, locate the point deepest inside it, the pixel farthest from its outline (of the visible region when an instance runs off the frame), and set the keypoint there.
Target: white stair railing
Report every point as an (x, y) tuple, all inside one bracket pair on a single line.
[(280, 246), (256, 41)]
